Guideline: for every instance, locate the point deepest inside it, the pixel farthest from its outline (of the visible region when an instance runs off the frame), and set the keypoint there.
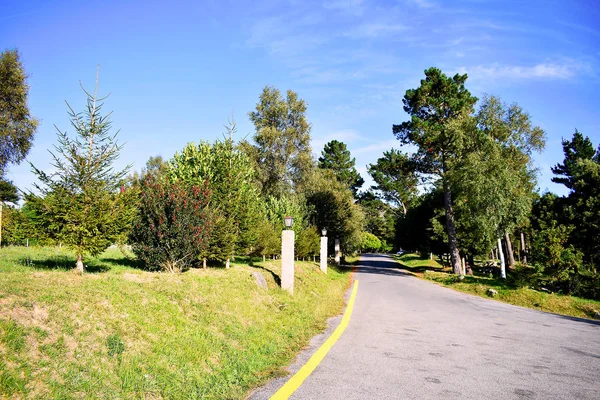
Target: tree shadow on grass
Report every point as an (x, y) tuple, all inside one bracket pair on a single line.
[(409, 258), (120, 262), (63, 263), (276, 277), (421, 268)]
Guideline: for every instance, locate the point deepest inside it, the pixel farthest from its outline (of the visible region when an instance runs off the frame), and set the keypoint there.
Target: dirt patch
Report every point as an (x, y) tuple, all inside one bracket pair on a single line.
[(29, 316)]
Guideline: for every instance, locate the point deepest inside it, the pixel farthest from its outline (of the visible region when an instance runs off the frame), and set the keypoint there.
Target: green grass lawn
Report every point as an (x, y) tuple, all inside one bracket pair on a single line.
[(479, 285), (415, 263), (118, 332)]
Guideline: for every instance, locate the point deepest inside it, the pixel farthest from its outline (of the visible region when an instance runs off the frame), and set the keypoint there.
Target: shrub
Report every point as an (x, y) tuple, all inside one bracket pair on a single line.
[(173, 224), (370, 242)]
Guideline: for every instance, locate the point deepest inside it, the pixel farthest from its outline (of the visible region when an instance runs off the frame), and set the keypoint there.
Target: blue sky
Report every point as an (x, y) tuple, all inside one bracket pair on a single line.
[(177, 70)]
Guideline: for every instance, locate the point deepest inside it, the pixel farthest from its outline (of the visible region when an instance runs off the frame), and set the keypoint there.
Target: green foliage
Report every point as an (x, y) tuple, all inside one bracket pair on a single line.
[(332, 206), (565, 229), (370, 243), (380, 218), (493, 183), (437, 102), (13, 224), (173, 225), (8, 191), (395, 177), (234, 199), (83, 203), (17, 126), (307, 242), (577, 149), (580, 172), (336, 157), (438, 108), (281, 151)]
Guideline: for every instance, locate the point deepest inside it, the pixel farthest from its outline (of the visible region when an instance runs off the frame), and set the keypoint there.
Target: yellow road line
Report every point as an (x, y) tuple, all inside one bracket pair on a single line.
[(294, 383)]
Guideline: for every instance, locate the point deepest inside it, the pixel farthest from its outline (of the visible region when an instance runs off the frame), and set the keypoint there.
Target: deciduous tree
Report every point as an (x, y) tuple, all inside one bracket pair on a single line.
[(17, 126), (230, 174), (281, 150)]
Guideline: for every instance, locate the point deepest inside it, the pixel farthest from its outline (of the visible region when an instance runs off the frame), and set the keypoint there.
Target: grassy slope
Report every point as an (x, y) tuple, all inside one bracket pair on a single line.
[(122, 333), (479, 285)]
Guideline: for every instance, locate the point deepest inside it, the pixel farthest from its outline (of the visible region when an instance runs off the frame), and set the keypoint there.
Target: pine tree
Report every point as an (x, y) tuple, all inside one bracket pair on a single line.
[(84, 205), (336, 157), (436, 109), (395, 178)]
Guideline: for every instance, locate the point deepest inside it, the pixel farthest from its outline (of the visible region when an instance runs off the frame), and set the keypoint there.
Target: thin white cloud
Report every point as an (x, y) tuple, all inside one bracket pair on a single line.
[(548, 70)]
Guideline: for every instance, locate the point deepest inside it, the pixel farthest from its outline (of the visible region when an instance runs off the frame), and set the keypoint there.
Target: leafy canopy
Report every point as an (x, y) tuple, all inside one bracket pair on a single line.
[(17, 126), (281, 153)]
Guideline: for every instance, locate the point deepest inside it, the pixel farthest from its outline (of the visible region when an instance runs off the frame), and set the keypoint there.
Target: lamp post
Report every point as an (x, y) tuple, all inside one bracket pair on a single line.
[(288, 221), (323, 258), (287, 255)]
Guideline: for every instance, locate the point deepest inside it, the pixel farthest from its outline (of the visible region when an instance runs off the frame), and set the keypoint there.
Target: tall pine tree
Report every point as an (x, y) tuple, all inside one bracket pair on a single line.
[(336, 157), (436, 109), (84, 205)]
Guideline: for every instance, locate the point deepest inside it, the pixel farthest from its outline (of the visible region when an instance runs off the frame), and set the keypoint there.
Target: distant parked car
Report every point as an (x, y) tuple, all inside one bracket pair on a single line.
[(400, 252)]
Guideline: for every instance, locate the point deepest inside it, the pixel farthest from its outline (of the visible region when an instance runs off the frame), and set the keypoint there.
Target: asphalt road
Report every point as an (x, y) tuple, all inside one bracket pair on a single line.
[(412, 339)]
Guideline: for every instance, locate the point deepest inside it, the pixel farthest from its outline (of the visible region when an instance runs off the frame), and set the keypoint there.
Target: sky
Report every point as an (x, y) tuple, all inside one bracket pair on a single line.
[(177, 71)]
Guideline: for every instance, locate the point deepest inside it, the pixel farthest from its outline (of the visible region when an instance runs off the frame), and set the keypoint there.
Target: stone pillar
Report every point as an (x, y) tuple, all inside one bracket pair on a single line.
[(287, 260), (324, 254), (337, 251)]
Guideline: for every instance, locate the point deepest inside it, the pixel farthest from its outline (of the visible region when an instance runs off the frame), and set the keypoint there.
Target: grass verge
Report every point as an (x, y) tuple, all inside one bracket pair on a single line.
[(519, 296), (118, 332)]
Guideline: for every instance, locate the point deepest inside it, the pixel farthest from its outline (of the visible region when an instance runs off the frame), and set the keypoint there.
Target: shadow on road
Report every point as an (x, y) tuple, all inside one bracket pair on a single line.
[(379, 265)]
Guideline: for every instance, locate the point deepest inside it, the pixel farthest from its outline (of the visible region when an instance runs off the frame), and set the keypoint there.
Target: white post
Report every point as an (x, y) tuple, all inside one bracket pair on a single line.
[(323, 260), (502, 266), (337, 251), (287, 260)]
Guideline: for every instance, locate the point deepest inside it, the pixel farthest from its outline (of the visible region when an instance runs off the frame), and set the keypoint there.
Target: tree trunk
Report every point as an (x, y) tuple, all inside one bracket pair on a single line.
[(509, 251), (227, 264), (264, 258), (523, 251), (79, 264), (204, 263), (470, 263), (501, 254), (451, 229)]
